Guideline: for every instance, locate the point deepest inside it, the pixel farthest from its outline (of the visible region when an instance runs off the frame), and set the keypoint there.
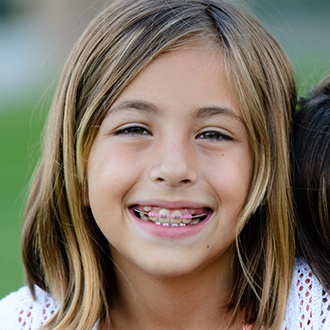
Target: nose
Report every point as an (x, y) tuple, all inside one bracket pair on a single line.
[(174, 163)]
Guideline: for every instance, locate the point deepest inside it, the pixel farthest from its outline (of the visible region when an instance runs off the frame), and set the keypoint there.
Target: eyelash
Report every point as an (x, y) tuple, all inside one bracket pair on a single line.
[(214, 136), (132, 131), (140, 130)]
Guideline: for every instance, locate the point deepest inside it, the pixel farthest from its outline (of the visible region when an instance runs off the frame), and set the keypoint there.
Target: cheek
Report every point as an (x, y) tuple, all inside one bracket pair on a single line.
[(111, 173), (105, 195), (105, 186), (242, 176), (232, 179), (107, 166)]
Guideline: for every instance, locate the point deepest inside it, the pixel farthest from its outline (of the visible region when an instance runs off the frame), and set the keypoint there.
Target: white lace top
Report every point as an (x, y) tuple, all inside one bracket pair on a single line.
[(308, 306)]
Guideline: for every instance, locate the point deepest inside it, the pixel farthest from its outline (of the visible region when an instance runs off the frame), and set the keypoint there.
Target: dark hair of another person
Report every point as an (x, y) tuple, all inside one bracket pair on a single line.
[(311, 171)]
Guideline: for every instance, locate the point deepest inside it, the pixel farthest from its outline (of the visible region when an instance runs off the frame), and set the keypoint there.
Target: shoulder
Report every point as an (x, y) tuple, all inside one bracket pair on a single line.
[(20, 311), (308, 305)]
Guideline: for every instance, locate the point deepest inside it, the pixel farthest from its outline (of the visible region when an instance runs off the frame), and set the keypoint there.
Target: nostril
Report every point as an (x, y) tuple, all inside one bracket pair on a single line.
[(185, 181), (163, 180)]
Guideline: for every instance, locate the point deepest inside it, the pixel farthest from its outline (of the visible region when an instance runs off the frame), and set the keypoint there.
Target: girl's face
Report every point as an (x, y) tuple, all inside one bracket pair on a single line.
[(170, 168)]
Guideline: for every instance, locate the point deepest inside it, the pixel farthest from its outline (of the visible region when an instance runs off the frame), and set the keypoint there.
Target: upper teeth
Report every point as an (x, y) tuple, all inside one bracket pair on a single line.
[(167, 217)]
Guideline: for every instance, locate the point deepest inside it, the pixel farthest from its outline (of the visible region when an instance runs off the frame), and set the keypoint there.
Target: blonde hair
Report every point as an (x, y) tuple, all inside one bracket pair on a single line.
[(64, 251)]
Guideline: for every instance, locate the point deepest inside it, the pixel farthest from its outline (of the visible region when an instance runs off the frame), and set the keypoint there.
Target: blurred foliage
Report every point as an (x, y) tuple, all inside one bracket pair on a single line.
[(20, 128), (12, 8)]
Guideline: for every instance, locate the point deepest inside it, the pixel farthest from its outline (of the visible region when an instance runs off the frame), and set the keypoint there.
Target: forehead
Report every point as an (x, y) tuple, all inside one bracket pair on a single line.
[(186, 75)]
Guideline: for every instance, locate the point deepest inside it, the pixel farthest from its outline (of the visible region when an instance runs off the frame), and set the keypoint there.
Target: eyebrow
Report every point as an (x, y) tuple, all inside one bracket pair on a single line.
[(217, 110), (134, 105), (151, 108)]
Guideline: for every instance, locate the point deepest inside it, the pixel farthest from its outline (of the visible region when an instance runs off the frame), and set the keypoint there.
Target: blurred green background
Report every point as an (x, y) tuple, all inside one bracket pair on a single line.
[(35, 37)]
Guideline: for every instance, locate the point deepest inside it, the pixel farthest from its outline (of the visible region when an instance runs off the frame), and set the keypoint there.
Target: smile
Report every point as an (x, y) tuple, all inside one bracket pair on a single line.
[(171, 218)]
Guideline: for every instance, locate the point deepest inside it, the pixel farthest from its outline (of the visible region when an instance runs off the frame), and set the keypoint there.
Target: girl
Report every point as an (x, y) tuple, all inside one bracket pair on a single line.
[(162, 199), (311, 169)]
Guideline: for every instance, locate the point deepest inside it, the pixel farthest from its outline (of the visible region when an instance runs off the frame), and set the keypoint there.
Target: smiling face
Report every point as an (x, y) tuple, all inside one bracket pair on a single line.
[(171, 165)]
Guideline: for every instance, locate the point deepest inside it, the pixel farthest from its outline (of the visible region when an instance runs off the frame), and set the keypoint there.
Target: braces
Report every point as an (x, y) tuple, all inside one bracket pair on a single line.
[(166, 224), (164, 216)]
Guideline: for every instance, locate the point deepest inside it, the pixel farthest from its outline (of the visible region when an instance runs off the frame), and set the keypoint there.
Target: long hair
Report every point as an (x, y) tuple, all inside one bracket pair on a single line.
[(311, 172), (64, 251)]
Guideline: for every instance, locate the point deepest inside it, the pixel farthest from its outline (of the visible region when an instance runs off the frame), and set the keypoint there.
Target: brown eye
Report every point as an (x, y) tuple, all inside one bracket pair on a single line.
[(214, 136), (132, 130)]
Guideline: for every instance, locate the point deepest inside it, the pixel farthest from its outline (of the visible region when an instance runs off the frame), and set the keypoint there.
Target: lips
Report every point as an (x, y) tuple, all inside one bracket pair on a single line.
[(171, 217)]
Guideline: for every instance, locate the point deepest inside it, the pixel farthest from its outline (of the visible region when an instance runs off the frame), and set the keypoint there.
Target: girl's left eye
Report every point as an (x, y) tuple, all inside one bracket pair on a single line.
[(132, 130), (214, 136)]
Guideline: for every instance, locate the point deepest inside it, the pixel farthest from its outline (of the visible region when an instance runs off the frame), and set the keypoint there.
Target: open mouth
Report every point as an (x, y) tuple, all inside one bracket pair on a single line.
[(171, 218)]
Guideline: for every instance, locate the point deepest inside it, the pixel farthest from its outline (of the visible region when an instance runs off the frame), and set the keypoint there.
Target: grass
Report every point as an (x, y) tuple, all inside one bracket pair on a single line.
[(20, 128)]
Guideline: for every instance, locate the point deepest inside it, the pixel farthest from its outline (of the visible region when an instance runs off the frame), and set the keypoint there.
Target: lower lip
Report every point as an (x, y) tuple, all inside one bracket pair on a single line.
[(170, 232)]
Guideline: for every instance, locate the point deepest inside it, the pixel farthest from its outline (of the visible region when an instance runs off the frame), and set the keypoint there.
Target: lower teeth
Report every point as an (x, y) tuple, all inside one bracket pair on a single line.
[(167, 224)]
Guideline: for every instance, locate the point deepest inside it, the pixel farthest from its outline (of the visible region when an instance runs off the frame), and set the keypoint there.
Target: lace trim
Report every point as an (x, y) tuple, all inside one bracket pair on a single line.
[(33, 315), (308, 301), (308, 305)]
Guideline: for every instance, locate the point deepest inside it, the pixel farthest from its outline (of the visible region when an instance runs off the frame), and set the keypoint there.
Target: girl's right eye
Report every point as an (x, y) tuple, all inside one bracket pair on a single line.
[(132, 130)]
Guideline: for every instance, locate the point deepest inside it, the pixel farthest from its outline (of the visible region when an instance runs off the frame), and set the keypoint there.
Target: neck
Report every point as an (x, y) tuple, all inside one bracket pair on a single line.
[(193, 301)]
